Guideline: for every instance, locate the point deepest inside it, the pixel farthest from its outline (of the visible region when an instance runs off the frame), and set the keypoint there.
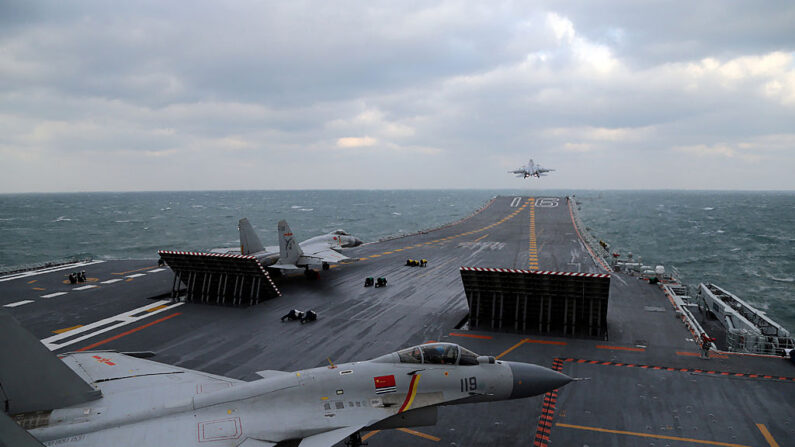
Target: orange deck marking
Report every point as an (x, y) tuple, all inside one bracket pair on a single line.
[(39, 288), (696, 354), (484, 337), (546, 342), (417, 433), (620, 348), (162, 306), (648, 435), (115, 337), (32, 281)]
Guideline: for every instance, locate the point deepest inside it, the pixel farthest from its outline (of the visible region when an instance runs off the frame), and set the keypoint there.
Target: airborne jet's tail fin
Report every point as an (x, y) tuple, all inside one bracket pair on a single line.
[(289, 250), (249, 242), (32, 378)]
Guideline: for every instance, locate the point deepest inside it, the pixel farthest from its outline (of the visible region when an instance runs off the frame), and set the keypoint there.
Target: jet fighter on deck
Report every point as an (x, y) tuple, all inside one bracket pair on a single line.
[(107, 398), (317, 252), (531, 170)]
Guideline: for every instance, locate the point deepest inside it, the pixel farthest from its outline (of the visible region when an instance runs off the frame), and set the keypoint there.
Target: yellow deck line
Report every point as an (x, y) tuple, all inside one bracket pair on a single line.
[(162, 306), (370, 435), (649, 435), (512, 348), (768, 437), (66, 329), (137, 270), (416, 433)]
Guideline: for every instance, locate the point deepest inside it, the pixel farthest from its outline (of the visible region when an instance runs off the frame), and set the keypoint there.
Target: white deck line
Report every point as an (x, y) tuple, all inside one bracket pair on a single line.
[(46, 270), (156, 270), (53, 295), (123, 319), (18, 303), (90, 286), (111, 281), (136, 275)]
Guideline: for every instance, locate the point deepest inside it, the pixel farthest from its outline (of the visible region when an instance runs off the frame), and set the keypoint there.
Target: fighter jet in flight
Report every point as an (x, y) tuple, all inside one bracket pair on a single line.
[(317, 252), (107, 398), (531, 170)]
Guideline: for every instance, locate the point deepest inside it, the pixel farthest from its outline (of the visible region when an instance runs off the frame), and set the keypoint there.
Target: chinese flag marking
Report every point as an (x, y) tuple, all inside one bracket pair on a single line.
[(385, 384)]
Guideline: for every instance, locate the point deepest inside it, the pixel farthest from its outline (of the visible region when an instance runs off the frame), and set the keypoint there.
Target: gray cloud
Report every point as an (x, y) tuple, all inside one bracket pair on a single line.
[(201, 95)]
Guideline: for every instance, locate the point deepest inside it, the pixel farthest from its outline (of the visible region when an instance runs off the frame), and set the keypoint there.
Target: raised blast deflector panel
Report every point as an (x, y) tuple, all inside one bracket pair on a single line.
[(214, 278), (537, 302), (32, 377)]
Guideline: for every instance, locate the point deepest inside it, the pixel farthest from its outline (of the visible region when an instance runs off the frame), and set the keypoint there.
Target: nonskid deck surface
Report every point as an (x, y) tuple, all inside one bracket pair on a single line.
[(647, 385)]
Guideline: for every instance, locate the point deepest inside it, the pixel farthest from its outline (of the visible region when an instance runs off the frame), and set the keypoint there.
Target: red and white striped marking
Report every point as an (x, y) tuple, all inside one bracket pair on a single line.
[(534, 272), (225, 255)]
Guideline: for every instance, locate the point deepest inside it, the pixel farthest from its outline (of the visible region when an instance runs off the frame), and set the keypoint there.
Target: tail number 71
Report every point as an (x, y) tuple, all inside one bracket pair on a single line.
[(469, 384)]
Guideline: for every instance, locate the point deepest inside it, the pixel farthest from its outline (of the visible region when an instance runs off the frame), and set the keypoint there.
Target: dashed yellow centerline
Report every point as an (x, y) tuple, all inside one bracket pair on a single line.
[(533, 245)]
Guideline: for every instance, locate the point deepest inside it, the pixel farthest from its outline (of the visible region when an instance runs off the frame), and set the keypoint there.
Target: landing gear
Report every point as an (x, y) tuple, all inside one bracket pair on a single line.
[(326, 266), (355, 440)]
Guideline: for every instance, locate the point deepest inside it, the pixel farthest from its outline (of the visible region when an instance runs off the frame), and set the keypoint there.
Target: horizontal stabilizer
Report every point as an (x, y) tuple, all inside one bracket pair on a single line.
[(268, 373), (329, 438), (251, 442), (284, 266), (31, 377), (12, 435)]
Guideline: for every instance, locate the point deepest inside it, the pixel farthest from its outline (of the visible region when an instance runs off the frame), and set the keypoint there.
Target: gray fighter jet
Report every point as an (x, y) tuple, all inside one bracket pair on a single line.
[(317, 252), (531, 170), (106, 398)]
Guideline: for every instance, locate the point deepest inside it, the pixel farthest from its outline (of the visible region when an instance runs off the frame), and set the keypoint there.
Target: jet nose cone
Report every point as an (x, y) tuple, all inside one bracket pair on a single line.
[(532, 380)]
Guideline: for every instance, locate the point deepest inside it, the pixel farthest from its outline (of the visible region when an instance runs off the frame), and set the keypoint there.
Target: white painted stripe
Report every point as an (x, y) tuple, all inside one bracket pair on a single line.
[(53, 295), (111, 281), (123, 319), (90, 286), (515, 202), (45, 270), (135, 275), (156, 270), (18, 303)]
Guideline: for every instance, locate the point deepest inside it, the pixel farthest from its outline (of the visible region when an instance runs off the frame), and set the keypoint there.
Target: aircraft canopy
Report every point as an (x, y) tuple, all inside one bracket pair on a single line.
[(439, 354)]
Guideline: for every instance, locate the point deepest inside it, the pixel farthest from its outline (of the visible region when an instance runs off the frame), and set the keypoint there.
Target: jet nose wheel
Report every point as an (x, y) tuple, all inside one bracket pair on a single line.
[(355, 440)]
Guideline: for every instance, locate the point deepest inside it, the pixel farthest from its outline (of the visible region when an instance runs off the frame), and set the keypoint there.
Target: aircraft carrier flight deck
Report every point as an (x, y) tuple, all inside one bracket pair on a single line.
[(645, 383)]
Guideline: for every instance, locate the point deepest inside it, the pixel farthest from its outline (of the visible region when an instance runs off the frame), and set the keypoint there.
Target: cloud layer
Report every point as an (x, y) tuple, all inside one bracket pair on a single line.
[(263, 95)]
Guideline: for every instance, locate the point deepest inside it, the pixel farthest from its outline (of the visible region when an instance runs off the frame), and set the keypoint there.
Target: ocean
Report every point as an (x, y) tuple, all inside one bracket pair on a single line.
[(742, 241)]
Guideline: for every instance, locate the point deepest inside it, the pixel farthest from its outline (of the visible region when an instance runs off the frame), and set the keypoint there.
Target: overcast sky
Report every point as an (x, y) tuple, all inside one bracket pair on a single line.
[(109, 96)]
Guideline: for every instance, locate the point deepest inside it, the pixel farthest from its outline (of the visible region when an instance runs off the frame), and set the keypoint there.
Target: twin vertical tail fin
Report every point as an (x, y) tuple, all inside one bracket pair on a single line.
[(289, 250), (31, 377), (249, 242)]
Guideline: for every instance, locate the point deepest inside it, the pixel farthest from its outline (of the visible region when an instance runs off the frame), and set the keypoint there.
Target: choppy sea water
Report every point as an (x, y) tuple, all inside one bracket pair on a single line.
[(741, 241)]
